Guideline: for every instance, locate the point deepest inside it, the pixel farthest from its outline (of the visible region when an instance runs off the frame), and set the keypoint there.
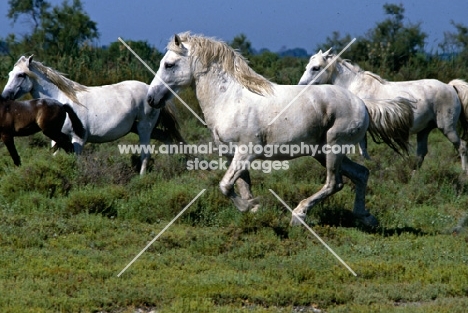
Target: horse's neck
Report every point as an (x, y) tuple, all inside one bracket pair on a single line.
[(214, 87), (44, 88), (356, 82), (343, 76)]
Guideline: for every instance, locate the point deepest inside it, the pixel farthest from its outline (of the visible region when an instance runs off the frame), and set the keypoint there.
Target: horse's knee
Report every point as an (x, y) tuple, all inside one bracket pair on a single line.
[(332, 187), (365, 173)]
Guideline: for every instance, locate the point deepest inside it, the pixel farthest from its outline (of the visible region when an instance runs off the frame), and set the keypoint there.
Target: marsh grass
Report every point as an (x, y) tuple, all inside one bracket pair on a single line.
[(69, 225)]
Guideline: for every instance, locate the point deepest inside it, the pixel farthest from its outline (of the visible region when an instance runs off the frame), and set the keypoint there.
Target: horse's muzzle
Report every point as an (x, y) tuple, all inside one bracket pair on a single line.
[(8, 94), (150, 100), (155, 104)]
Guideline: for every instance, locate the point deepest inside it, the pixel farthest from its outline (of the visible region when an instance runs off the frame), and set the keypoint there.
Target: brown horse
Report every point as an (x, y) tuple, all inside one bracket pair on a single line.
[(24, 118)]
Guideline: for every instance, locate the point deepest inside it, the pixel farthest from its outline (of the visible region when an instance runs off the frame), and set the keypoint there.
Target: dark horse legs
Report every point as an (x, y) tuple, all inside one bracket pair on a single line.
[(10, 144)]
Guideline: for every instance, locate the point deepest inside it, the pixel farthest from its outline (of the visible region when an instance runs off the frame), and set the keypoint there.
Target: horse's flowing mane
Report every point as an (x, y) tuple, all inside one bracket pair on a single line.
[(356, 69), (208, 50), (66, 85)]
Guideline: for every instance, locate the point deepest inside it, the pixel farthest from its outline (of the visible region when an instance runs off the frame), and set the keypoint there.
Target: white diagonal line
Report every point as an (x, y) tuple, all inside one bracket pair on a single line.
[(311, 82), (313, 233), (164, 83), (161, 232)]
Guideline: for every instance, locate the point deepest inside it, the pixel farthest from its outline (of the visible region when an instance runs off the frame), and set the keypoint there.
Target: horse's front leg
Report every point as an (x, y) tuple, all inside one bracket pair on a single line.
[(144, 132), (10, 144), (238, 173), (243, 185)]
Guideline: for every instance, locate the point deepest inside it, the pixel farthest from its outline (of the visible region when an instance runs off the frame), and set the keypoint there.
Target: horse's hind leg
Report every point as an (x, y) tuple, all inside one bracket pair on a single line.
[(421, 150), (459, 144), (359, 175), (10, 144), (61, 140), (447, 124), (363, 148), (54, 132), (334, 183)]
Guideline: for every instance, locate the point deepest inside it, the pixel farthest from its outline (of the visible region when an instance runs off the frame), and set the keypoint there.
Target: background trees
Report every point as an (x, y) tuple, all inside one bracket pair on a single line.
[(388, 47), (56, 31), (64, 37)]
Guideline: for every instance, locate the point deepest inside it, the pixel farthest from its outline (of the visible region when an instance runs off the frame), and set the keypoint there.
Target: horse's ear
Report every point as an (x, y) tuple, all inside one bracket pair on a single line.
[(177, 40), (326, 53), (30, 59)]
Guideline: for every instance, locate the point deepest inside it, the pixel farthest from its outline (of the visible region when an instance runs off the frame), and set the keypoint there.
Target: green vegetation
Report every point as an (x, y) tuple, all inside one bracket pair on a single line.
[(69, 225)]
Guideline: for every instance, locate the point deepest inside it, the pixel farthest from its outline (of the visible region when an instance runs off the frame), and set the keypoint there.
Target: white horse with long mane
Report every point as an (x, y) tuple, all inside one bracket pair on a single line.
[(107, 112), (435, 104), (239, 106)]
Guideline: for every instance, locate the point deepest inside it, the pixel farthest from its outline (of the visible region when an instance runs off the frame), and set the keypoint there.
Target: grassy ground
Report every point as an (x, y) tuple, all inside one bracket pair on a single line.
[(69, 225)]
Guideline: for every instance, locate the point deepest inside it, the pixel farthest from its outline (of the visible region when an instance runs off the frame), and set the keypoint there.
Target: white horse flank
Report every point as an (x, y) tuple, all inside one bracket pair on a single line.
[(238, 105), (435, 104), (107, 112)]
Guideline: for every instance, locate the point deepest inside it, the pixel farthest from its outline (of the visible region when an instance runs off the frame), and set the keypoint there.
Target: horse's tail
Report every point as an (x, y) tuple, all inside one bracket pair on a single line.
[(77, 125), (391, 121), (461, 87), (169, 124)]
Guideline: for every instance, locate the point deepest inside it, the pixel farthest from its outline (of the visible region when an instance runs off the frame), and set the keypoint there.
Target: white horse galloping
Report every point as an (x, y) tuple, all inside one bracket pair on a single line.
[(239, 107), (107, 112), (435, 104)]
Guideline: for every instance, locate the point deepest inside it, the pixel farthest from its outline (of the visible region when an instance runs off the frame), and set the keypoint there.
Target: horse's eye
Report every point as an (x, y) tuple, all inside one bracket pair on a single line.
[(315, 68), (21, 75), (168, 65)]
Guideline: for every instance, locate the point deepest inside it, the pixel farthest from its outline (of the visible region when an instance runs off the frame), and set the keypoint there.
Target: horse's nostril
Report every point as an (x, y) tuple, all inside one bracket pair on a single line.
[(149, 99)]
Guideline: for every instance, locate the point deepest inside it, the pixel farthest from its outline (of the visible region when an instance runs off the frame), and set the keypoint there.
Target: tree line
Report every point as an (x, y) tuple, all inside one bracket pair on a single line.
[(62, 37)]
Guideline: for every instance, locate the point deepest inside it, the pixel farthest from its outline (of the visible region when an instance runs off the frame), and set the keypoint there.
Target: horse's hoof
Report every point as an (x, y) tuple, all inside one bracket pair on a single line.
[(255, 208), (296, 219), (245, 205), (254, 205), (368, 220)]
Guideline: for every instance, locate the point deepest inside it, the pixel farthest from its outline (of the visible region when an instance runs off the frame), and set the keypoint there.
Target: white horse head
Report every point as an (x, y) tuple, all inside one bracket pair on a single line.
[(19, 79), (317, 63), (30, 76), (174, 72), (190, 57)]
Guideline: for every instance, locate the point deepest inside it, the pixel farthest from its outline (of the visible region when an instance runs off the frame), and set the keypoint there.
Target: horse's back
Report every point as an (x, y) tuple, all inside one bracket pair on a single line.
[(349, 113), (419, 90), (120, 93), (324, 109), (337, 102)]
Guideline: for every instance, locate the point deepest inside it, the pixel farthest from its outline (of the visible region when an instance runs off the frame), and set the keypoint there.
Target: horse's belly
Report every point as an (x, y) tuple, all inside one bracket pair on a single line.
[(108, 135), (105, 132), (422, 120)]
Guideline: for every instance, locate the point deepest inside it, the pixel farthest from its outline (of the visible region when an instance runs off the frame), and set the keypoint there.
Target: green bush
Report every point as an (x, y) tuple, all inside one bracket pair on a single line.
[(102, 201)]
